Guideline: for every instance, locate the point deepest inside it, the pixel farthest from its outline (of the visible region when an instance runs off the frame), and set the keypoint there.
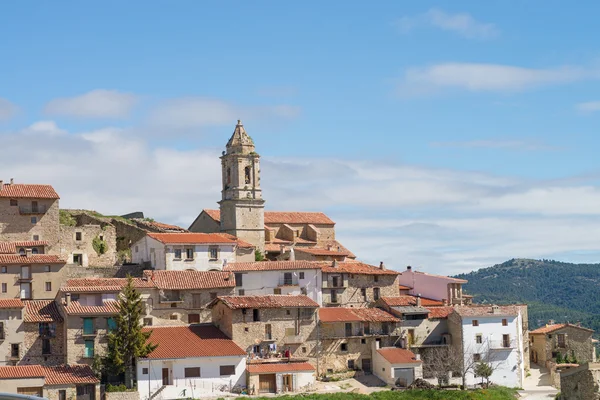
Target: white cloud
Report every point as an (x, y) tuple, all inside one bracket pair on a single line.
[(98, 103), (502, 144), (588, 107), (198, 111), (488, 77), (7, 109), (461, 23)]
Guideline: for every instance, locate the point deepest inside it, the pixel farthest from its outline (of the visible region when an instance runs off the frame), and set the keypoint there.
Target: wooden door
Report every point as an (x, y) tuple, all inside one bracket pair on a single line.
[(165, 376), (366, 365), (30, 391), (266, 383), (287, 383)]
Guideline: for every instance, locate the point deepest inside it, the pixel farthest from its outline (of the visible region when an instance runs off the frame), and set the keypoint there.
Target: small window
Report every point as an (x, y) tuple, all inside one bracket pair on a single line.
[(193, 318), (111, 324), (34, 250), (475, 322), (14, 202), (3, 269), (246, 329), (144, 371), (363, 341), (376, 293), (78, 259), (46, 268), (478, 339), (14, 350), (303, 291), (344, 347), (504, 322), (214, 252), (256, 315), (48, 286), (288, 312), (178, 254), (375, 278), (136, 249), (247, 177), (350, 364), (36, 238), (277, 291), (62, 394), (34, 220), (4, 288), (78, 236), (147, 321), (46, 346), (244, 311), (476, 357), (363, 293), (304, 350), (189, 254), (227, 370), (239, 279), (173, 317), (334, 296), (241, 292), (192, 372), (301, 275)]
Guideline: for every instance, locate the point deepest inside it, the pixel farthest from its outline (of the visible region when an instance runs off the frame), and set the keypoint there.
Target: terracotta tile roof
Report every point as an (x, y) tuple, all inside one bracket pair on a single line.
[(21, 371), (108, 308), (240, 242), (270, 266), (402, 287), (268, 368), (69, 374), (356, 267), (97, 285), (159, 225), (272, 248), (410, 300), (11, 247), (285, 217), (316, 251), (11, 303), (440, 312), (442, 276), (41, 311), (32, 259), (27, 191), (554, 327), (181, 280), (395, 355), (485, 311), (190, 238), (339, 314), (199, 340), (267, 301)]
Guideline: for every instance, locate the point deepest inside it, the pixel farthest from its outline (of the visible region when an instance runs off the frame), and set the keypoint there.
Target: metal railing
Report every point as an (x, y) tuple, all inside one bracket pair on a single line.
[(171, 298), (359, 333), (40, 209), (288, 281)]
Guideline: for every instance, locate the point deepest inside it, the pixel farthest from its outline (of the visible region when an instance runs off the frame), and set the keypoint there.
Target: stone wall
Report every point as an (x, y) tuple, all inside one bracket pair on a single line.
[(580, 383), (32, 346), (122, 395), (578, 341), (119, 271), (127, 233), (75, 340), (352, 294), (334, 360), (16, 225), (205, 224), (87, 230)]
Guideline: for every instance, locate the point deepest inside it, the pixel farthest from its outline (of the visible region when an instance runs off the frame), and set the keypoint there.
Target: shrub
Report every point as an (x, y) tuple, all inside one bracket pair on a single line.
[(99, 245), (116, 388)]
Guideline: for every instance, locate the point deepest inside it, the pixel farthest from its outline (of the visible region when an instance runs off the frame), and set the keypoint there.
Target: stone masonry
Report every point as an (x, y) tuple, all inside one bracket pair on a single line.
[(32, 346), (351, 288)]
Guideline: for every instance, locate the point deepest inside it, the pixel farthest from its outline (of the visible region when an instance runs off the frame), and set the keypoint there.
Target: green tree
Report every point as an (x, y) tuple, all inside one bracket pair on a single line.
[(126, 341), (484, 370), (559, 358), (258, 256)]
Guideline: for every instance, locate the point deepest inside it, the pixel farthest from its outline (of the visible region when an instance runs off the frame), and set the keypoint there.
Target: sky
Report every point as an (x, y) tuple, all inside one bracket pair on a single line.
[(448, 135)]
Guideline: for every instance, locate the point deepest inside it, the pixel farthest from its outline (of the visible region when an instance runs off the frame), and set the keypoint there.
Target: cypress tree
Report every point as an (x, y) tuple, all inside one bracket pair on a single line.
[(126, 341)]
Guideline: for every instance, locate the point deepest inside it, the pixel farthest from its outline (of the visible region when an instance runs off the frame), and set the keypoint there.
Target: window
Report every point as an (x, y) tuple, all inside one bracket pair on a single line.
[(34, 220), (476, 357), (244, 311), (268, 335), (4, 288), (532, 339), (504, 322), (288, 312), (14, 350), (307, 313), (304, 350), (46, 268), (241, 292), (277, 291), (47, 329), (46, 346), (363, 341), (214, 252), (192, 372), (144, 371), (363, 293), (36, 238), (350, 364), (35, 251), (62, 394), (48, 286), (334, 298), (247, 177), (88, 351), (228, 176), (1, 330), (173, 317), (475, 322), (111, 324), (478, 339), (246, 330), (178, 254), (193, 318), (3, 269), (227, 370), (505, 341), (88, 326), (189, 253), (335, 281), (239, 279), (375, 278), (344, 347), (14, 202), (255, 315), (301, 275), (147, 321), (376, 293), (78, 236), (78, 259), (287, 278)]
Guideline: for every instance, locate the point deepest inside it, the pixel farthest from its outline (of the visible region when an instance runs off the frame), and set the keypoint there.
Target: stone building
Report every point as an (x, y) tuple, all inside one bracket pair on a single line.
[(279, 376), (29, 213), (87, 240), (268, 326), (347, 334), (44, 341), (564, 339), (30, 276), (12, 333), (357, 284), (581, 383)]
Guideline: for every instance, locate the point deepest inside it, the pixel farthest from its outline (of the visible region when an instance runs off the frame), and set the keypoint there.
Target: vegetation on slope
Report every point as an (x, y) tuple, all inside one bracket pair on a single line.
[(554, 290)]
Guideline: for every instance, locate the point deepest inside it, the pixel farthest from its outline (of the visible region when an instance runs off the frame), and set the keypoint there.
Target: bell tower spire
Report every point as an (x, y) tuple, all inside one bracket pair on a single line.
[(242, 206)]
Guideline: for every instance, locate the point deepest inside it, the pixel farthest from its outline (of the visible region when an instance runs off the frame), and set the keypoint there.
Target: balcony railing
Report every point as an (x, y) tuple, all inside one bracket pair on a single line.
[(359, 333), (503, 344), (293, 339), (293, 281), (27, 296), (25, 276), (335, 284), (41, 209), (171, 298)]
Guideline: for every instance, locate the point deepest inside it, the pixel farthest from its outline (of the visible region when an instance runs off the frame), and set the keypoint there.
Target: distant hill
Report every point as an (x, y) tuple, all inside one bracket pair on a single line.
[(554, 290)]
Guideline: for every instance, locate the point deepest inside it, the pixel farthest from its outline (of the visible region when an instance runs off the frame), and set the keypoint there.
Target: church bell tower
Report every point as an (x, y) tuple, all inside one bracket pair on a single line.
[(242, 206)]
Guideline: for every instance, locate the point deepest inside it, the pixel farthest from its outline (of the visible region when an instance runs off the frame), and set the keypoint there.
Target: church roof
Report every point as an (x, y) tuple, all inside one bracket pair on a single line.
[(239, 140), (284, 217)]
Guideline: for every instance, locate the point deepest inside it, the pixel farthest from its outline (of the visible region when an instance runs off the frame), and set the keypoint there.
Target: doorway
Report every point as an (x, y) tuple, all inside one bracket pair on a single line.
[(366, 365), (266, 383), (165, 376)]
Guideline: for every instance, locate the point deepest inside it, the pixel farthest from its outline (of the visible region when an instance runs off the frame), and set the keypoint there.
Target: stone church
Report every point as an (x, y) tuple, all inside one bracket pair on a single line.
[(278, 235)]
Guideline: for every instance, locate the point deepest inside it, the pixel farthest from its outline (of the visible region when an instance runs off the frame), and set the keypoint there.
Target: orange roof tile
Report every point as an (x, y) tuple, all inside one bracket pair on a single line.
[(350, 314), (97, 285), (554, 327), (69, 374), (356, 267), (269, 368), (240, 242), (402, 287), (32, 259), (285, 217), (21, 371), (28, 191), (190, 238), (181, 280), (199, 340), (485, 311), (267, 301), (440, 312), (108, 308), (443, 276), (396, 355), (214, 214), (11, 303), (11, 247), (410, 300), (41, 311), (270, 266), (316, 251)]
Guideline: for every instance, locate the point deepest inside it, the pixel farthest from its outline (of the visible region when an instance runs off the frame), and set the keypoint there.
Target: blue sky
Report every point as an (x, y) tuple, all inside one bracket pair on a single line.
[(430, 131)]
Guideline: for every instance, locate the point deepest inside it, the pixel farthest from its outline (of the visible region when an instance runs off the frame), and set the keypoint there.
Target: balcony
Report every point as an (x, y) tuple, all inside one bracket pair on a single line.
[(28, 210), (295, 339), (288, 281), (89, 332), (503, 344), (359, 334), (335, 283), (25, 277), (173, 297), (27, 296)]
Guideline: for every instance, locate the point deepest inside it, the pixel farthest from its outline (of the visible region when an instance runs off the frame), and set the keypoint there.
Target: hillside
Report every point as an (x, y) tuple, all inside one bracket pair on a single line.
[(552, 289)]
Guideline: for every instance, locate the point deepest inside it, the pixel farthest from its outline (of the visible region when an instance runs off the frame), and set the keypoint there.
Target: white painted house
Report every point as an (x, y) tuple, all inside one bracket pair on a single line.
[(185, 251), (436, 287), (494, 335), (278, 277), (194, 361), (396, 366)]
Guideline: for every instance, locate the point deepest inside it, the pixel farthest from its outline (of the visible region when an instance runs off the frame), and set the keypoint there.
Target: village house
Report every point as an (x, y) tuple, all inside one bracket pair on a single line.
[(580, 382), (12, 332), (279, 377), (272, 326), (189, 251), (190, 361), (43, 334), (396, 367), (356, 284), (564, 339), (278, 277), (436, 287), (490, 334), (30, 276), (347, 334)]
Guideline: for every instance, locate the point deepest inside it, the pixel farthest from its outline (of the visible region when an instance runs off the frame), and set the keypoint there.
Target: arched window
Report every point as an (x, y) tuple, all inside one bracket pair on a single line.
[(229, 176), (247, 175), (22, 251), (34, 250)]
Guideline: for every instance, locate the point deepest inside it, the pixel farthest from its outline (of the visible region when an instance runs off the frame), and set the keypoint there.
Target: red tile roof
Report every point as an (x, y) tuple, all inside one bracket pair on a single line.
[(402, 287), (410, 300), (395, 355), (269, 368), (267, 301), (11, 303), (108, 308), (442, 276), (356, 267), (41, 311), (191, 238), (285, 217), (271, 266), (11, 247), (32, 259), (27, 191), (191, 341), (97, 285), (69, 374), (181, 280), (240, 242), (485, 311), (21, 371), (316, 251), (440, 312), (339, 314), (554, 327)]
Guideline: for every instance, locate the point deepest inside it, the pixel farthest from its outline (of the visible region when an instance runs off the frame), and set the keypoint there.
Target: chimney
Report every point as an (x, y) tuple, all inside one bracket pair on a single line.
[(224, 263), (409, 268), (495, 309), (334, 264), (551, 322), (67, 299), (11, 181), (1, 184), (419, 300), (377, 344), (28, 252), (445, 302), (381, 266), (418, 357), (292, 254)]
